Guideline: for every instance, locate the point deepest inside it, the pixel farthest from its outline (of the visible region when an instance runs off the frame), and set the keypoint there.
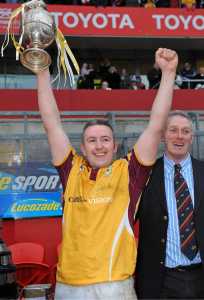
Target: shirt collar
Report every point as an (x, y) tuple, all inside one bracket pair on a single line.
[(169, 163)]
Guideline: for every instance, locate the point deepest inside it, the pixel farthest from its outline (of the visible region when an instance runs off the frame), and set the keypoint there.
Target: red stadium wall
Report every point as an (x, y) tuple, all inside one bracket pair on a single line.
[(90, 100), (46, 231)]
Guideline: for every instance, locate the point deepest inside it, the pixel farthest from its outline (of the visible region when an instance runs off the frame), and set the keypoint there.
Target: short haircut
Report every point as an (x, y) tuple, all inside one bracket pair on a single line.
[(97, 122), (179, 113)]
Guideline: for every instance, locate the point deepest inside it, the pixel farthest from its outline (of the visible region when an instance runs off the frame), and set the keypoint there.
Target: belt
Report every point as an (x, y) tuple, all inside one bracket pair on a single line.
[(185, 268)]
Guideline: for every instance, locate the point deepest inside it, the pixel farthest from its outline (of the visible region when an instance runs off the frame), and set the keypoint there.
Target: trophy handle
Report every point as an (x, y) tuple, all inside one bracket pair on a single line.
[(35, 59)]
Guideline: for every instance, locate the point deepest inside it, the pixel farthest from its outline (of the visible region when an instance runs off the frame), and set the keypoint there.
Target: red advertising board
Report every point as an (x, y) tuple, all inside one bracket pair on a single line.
[(119, 21), (85, 100)]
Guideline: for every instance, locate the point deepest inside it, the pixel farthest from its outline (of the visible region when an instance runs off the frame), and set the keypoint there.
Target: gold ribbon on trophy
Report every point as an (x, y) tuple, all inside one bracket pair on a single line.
[(38, 31)]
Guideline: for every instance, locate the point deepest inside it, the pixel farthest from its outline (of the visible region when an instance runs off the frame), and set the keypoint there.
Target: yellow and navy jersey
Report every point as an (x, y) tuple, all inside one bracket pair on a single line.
[(98, 243)]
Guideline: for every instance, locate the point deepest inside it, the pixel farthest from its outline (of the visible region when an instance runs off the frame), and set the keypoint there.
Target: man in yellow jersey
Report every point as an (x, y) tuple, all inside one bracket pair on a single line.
[(98, 250)]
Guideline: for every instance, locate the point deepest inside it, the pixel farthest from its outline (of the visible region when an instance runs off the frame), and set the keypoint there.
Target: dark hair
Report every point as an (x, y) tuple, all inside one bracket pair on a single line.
[(97, 122)]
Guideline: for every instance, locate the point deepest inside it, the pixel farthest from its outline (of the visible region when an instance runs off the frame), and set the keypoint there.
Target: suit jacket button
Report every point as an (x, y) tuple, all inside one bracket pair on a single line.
[(165, 218), (161, 262), (162, 241)]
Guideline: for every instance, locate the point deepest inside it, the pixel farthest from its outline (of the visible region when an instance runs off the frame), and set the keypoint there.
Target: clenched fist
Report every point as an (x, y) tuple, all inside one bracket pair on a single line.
[(166, 59)]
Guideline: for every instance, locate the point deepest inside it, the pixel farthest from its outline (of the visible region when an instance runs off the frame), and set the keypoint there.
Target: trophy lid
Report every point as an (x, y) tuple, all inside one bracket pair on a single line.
[(35, 3)]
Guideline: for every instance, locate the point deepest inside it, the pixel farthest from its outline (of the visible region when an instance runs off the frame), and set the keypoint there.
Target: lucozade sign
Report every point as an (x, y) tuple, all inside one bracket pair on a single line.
[(29, 190), (117, 21)]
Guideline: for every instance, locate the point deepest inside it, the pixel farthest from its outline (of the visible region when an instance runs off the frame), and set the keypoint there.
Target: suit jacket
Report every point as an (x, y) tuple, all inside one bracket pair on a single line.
[(153, 222)]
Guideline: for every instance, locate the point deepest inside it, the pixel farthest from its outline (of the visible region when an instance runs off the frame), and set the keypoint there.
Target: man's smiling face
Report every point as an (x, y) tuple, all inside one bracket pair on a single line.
[(178, 137), (98, 146)]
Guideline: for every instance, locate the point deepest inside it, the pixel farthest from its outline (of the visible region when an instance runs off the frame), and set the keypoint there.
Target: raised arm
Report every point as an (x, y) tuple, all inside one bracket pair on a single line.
[(58, 140), (148, 142)]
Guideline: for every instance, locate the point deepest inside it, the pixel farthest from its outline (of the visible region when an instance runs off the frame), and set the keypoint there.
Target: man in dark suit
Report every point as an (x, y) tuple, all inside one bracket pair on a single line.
[(163, 270)]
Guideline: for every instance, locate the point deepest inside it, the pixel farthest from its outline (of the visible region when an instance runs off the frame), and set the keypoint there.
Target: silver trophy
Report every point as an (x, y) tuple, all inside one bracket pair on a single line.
[(38, 32)]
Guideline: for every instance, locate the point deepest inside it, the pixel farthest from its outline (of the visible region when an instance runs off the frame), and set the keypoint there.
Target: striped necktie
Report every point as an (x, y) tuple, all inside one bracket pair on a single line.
[(185, 215)]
